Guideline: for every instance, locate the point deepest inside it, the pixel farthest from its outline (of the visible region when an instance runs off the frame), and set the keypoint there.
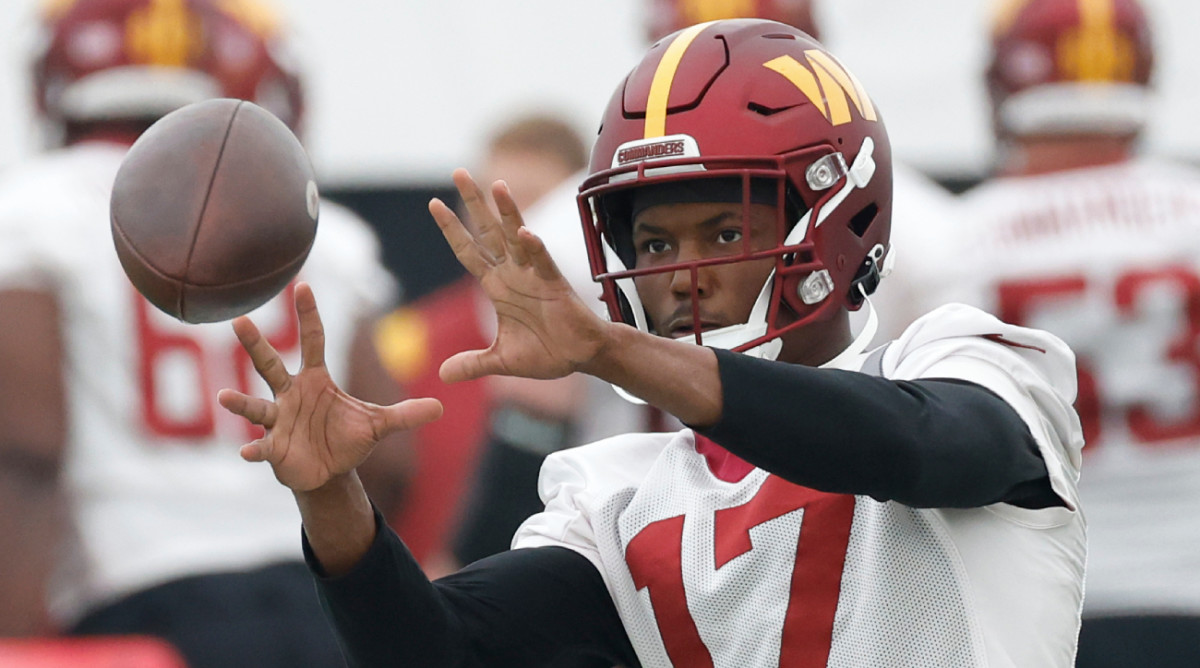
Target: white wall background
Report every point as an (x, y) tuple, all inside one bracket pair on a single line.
[(405, 90)]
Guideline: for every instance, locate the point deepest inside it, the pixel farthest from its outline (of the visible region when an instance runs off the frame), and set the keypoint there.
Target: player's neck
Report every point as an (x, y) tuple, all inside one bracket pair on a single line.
[(1044, 155), (816, 344)]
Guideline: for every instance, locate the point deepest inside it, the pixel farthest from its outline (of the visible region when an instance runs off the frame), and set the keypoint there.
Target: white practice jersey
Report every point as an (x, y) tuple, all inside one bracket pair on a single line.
[(1108, 259), (759, 573), (155, 482)]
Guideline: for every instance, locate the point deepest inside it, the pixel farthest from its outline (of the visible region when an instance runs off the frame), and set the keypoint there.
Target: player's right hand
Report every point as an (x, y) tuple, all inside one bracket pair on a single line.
[(314, 430), (543, 329)]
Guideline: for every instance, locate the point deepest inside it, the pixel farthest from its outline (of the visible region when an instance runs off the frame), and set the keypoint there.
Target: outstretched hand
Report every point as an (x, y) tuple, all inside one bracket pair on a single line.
[(544, 330), (315, 431)]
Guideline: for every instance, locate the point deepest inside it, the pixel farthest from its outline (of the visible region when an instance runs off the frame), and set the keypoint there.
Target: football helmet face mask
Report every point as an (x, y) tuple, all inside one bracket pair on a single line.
[(666, 16), (766, 108), (117, 60), (1070, 66)]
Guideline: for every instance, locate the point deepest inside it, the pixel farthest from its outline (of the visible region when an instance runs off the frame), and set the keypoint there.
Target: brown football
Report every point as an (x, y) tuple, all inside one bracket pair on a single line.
[(214, 210)]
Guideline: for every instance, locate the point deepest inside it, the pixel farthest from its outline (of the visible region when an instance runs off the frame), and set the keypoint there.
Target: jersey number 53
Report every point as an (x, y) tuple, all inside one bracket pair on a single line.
[(1137, 341)]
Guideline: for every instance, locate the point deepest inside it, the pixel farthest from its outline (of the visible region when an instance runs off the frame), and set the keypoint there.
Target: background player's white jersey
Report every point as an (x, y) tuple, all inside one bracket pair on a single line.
[(155, 483), (1109, 260), (758, 572), (923, 214)]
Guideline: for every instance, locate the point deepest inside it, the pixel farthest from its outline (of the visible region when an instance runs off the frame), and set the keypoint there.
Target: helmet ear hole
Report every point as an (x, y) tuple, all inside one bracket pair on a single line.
[(861, 221), (865, 282)]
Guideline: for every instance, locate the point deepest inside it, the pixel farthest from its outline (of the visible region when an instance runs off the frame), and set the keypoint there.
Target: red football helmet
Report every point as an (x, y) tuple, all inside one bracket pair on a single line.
[(765, 107), (667, 16), (1070, 66), (106, 60)]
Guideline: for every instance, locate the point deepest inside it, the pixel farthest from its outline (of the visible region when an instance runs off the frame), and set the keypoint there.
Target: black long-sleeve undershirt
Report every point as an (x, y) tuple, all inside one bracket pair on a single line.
[(929, 443), (925, 443), (544, 606)]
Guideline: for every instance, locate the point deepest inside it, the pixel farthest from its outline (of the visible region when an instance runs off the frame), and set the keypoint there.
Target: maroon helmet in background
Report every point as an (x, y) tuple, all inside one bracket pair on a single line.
[(117, 60), (1070, 66), (666, 16), (763, 105)]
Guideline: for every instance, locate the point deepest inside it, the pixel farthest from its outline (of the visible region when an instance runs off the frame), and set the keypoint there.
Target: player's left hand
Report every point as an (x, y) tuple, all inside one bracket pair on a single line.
[(544, 330), (315, 431)]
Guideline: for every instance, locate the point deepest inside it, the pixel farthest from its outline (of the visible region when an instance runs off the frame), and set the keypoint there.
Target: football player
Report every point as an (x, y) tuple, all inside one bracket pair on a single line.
[(518, 440), (112, 403), (911, 505), (1079, 235)]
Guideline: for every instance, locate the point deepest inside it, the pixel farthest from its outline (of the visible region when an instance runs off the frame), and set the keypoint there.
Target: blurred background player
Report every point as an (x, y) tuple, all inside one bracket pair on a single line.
[(117, 468), (1079, 235)]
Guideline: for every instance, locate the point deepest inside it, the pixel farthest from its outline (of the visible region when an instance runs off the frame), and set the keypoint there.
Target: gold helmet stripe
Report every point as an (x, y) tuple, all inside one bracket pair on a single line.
[(163, 33), (1097, 13), (1097, 51), (660, 86)]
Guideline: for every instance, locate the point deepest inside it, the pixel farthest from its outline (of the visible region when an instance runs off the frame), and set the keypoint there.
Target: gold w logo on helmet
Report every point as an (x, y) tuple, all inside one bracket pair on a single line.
[(829, 86), (164, 33)]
